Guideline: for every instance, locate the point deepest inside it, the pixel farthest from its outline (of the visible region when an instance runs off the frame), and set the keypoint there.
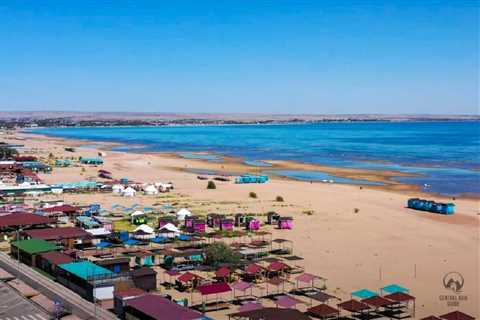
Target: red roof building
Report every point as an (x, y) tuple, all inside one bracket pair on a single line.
[(323, 311), (155, 307), (23, 220), (57, 234)]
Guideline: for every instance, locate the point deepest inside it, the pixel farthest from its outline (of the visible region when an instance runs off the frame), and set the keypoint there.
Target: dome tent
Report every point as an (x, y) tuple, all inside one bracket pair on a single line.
[(182, 213), (117, 188), (129, 192), (150, 190)]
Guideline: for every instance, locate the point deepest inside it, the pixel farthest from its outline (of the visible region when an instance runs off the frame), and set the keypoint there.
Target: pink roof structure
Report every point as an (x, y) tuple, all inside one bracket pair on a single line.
[(214, 288)]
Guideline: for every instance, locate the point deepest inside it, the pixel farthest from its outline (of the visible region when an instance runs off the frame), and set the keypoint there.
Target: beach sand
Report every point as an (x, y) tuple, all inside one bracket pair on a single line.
[(355, 237)]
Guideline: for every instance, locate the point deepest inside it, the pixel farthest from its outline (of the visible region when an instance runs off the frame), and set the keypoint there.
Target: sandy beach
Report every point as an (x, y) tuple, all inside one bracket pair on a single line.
[(355, 237)]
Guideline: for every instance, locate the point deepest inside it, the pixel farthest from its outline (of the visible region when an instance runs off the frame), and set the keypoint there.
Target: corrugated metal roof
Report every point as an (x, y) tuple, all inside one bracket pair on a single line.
[(85, 269), (34, 246)]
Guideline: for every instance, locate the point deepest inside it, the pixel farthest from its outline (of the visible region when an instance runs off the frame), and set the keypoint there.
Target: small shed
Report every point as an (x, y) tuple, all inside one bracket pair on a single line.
[(226, 224), (285, 223), (145, 278), (27, 250)]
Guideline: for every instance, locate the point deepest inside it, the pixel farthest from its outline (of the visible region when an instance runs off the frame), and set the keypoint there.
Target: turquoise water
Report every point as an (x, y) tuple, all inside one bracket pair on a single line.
[(310, 175), (445, 154)]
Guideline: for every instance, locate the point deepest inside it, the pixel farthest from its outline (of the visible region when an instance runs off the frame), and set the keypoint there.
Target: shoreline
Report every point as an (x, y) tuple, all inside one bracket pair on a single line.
[(237, 164), (344, 233)]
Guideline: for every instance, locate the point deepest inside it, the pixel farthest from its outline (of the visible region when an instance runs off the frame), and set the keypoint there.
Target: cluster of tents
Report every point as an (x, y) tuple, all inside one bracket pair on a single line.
[(148, 189)]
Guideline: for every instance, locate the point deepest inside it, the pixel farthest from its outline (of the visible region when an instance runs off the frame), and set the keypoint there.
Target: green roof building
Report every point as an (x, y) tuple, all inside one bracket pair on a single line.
[(27, 250)]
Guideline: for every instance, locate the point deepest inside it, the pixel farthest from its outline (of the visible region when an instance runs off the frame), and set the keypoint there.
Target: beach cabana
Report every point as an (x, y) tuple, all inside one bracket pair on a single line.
[(285, 223), (240, 219), (213, 289), (254, 272), (182, 213), (364, 294), (243, 287), (226, 224), (249, 306), (199, 226), (456, 315), (188, 280), (252, 224), (276, 269), (321, 297), (272, 218), (308, 279), (214, 219), (402, 300), (354, 306), (378, 302), (324, 311), (287, 302), (269, 314), (393, 288), (223, 274)]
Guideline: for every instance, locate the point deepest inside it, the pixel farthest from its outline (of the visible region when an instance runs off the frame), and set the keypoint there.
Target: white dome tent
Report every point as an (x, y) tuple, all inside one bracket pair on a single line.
[(143, 232), (169, 230), (150, 190), (182, 213), (117, 188), (129, 192)]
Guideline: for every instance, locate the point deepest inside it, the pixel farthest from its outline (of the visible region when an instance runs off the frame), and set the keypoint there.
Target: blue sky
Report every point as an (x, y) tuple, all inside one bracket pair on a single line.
[(318, 56)]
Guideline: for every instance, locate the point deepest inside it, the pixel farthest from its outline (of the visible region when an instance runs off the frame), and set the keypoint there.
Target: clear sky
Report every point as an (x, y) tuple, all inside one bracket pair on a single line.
[(318, 56)]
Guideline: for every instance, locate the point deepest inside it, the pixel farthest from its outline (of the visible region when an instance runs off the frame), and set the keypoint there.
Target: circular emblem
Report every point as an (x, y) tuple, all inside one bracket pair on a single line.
[(453, 281)]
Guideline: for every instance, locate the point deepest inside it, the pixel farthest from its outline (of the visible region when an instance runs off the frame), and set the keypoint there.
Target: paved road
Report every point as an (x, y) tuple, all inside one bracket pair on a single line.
[(13, 306), (54, 290)]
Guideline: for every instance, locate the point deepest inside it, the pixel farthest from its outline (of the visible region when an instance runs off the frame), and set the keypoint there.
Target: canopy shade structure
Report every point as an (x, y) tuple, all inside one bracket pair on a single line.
[(250, 306), (242, 286), (392, 288), (322, 297), (399, 297), (287, 302), (223, 272), (214, 288), (324, 311), (137, 213), (377, 302), (187, 277), (457, 315), (270, 314), (364, 293), (353, 306), (431, 318)]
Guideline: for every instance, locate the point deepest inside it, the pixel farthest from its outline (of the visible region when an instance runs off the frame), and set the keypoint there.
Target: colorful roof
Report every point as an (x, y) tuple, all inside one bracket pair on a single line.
[(353, 306), (160, 308), (253, 268), (85, 269), (222, 272), (56, 258), (364, 293), (457, 315), (399, 297), (323, 310), (287, 301), (392, 288), (377, 301), (214, 288), (23, 219), (276, 266), (34, 246), (57, 233), (242, 286)]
